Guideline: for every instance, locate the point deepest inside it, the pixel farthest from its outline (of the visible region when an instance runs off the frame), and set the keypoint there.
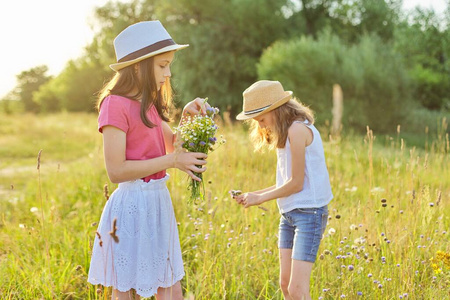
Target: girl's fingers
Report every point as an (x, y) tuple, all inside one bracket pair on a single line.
[(193, 176), (200, 162), (201, 105), (198, 170), (201, 155)]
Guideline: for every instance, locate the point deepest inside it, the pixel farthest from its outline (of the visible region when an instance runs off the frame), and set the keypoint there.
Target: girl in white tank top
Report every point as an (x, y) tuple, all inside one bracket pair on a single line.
[(302, 186)]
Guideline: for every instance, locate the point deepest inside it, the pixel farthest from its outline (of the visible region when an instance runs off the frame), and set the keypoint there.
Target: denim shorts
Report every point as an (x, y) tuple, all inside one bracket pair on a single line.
[(301, 230)]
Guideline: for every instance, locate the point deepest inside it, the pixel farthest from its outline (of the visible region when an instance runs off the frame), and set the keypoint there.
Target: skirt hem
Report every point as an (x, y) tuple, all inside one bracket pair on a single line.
[(153, 291)]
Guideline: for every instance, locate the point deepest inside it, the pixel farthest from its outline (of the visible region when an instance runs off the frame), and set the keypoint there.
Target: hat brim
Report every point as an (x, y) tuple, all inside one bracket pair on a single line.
[(117, 66), (242, 116)]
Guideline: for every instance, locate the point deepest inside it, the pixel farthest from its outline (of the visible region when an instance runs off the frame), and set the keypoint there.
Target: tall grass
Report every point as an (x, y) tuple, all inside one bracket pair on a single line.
[(388, 220)]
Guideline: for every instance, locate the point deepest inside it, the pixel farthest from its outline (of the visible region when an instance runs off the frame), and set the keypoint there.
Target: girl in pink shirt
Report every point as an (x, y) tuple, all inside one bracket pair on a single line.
[(137, 249)]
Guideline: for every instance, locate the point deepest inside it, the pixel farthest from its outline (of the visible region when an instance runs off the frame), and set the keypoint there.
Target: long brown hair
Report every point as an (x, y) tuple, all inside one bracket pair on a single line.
[(127, 80), (284, 116)]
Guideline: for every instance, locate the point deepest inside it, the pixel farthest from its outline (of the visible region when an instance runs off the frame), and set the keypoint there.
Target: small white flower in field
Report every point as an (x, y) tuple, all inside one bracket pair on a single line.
[(353, 189), (331, 231), (353, 227), (360, 241), (34, 209), (377, 189), (21, 225)]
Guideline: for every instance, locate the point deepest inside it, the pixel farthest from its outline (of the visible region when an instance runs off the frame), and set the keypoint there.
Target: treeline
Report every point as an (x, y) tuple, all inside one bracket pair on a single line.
[(393, 67)]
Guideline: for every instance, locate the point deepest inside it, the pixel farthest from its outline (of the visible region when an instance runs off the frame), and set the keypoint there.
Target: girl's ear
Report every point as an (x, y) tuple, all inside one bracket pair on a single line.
[(136, 68)]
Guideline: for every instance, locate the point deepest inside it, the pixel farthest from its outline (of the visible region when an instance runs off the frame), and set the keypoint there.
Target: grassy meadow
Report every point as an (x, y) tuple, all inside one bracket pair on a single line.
[(387, 235)]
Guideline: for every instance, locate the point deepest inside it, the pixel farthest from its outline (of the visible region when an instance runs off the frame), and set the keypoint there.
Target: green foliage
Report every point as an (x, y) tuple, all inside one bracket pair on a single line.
[(226, 39), (72, 90), (348, 19), (49, 216), (371, 75), (29, 82), (424, 42), (9, 106)]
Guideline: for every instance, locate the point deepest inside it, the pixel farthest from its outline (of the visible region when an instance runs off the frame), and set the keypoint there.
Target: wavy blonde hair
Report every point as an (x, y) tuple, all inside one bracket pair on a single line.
[(126, 80), (284, 116)]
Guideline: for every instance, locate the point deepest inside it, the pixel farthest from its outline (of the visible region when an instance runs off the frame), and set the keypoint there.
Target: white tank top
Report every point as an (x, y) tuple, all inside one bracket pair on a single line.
[(316, 190)]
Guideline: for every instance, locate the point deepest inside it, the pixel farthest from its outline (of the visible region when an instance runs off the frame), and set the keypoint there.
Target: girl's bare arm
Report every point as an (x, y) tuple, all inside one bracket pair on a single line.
[(120, 169)]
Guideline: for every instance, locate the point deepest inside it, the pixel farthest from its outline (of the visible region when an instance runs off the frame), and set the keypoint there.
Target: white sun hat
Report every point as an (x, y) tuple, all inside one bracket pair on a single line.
[(140, 41)]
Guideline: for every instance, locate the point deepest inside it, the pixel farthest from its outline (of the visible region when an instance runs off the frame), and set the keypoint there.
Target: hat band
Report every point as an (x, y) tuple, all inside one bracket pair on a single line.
[(146, 50), (249, 112)]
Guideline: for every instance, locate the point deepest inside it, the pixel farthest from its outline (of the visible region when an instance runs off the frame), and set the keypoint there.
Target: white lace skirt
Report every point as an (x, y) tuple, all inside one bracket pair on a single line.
[(147, 254)]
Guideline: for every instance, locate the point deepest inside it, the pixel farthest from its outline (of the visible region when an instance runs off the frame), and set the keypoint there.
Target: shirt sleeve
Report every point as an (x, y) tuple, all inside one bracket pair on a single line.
[(113, 112)]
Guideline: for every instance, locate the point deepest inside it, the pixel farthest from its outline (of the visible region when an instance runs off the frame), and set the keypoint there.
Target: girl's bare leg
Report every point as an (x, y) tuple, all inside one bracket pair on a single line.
[(300, 278), (129, 295), (285, 271), (171, 293)]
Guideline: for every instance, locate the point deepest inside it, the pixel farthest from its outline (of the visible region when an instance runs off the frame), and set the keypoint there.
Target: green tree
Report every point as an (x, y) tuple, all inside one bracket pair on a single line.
[(424, 41), (29, 82), (74, 88), (375, 94), (348, 19), (226, 40)]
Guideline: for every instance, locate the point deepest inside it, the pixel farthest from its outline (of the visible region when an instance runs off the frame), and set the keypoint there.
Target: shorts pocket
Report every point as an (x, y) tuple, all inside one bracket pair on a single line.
[(311, 211)]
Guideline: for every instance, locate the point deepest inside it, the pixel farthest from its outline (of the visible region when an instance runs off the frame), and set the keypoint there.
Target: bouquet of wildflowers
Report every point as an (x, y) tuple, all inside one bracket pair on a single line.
[(197, 134)]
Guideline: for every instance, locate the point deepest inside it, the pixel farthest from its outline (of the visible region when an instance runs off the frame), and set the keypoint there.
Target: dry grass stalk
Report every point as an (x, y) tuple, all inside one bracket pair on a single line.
[(227, 117), (106, 192), (338, 109), (39, 160), (114, 230), (100, 238)]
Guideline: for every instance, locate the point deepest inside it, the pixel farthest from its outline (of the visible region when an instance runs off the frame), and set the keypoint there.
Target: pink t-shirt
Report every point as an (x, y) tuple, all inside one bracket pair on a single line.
[(142, 142)]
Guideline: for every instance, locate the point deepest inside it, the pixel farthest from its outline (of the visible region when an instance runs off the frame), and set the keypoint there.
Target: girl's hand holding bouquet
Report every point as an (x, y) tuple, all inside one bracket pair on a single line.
[(196, 133)]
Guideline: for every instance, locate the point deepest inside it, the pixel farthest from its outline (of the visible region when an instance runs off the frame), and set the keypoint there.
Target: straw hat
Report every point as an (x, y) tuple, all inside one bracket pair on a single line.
[(261, 97), (140, 41)]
